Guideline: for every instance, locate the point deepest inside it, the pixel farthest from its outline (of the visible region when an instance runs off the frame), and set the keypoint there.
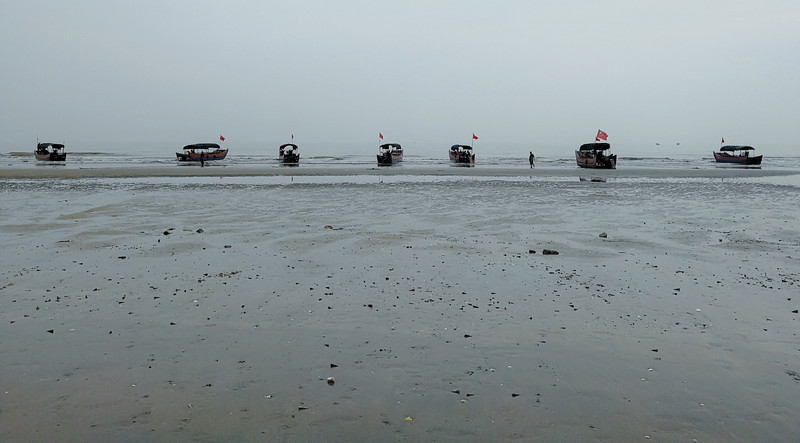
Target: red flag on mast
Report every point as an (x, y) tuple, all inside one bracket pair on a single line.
[(221, 138), (380, 135), (601, 136), (474, 137), (723, 141)]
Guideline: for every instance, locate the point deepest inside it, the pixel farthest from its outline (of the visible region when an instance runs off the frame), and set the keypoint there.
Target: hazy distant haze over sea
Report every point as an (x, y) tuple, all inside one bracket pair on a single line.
[(520, 75)]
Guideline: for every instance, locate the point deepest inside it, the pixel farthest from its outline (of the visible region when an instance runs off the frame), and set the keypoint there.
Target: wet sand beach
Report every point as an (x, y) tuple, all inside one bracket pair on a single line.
[(416, 304)]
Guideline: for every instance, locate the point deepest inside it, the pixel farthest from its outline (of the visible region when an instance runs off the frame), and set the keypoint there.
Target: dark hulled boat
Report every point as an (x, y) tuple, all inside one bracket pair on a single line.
[(389, 154), (289, 154), (739, 155), (202, 151), (51, 152)]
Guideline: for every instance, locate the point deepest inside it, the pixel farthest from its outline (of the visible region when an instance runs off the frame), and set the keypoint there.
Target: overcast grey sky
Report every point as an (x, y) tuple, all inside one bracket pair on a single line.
[(517, 73)]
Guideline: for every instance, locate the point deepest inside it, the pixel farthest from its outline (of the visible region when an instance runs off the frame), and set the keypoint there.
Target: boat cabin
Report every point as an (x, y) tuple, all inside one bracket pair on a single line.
[(737, 151)]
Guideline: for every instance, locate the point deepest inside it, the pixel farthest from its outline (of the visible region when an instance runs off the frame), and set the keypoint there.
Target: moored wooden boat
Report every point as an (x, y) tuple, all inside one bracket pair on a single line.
[(739, 155), (594, 155), (52, 152), (389, 154), (202, 151), (462, 154), (289, 154)]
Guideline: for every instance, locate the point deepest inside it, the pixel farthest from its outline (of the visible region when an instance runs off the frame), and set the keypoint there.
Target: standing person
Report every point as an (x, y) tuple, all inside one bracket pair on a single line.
[(202, 159), (531, 158)]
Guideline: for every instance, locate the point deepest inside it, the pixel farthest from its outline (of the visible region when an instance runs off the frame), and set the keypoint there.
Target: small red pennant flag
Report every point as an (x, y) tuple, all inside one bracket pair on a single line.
[(474, 137), (221, 138)]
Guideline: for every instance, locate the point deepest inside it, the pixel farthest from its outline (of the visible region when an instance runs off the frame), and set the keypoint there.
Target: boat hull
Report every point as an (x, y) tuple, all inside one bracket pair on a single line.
[(462, 158), (207, 156), (388, 159), (722, 157), (290, 159), (591, 160), (51, 157)]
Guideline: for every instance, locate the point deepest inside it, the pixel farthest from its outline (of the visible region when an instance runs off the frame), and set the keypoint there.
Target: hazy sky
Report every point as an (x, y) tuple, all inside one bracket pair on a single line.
[(540, 74)]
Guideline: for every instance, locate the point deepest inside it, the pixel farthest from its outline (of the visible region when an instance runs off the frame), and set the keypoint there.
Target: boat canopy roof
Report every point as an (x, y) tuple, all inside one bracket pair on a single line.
[(737, 148), (456, 147), (202, 146), (288, 145), (391, 145), (55, 146), (595, 147)]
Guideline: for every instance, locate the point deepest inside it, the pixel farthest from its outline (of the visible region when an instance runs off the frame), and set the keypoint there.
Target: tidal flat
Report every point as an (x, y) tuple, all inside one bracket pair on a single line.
[(399, 306)]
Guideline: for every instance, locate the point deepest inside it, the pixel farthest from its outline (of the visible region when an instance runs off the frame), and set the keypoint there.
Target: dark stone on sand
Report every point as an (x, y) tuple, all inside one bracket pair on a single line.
[(603, 235), (199, 231), (167, 232), (794, 312), (50, 331), (334, 366), (467, 336), (514, 394), (122, 257), (549, 252), (654, 350), (531, 251), (172, 323)]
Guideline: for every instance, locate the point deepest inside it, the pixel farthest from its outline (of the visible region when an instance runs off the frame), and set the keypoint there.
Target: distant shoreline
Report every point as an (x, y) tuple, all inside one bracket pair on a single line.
[(225, 171)]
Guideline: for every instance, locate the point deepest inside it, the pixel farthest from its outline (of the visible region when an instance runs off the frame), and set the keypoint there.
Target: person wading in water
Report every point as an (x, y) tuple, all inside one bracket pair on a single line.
[(531, 158)]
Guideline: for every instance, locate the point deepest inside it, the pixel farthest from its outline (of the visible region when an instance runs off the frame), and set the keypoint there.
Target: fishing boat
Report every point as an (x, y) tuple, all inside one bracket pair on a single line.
[(389, 154), (462, 154), (594, 155), (289, 154), (201, 151), (738, 155), (50, 152)]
